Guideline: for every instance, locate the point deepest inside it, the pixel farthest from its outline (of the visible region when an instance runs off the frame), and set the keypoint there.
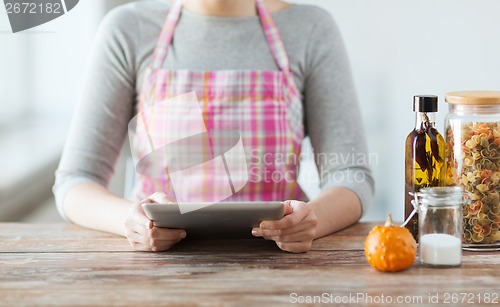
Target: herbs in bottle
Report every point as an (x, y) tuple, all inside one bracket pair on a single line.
[(424, 155)]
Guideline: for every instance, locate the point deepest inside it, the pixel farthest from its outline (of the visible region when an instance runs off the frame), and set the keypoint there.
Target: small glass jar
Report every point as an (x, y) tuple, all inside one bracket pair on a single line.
[(473, 163), (440, 226)]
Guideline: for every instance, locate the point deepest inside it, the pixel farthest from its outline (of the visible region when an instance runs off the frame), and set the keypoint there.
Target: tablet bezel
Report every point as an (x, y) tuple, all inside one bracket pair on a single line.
[(220, 220)]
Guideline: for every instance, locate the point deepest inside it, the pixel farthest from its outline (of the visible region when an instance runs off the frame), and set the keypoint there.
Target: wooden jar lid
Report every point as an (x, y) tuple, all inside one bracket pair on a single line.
[(473, 97)]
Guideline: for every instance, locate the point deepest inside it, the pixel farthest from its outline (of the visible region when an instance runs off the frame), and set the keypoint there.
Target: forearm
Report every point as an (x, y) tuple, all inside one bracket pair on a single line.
[(92, 206), (336, 208)]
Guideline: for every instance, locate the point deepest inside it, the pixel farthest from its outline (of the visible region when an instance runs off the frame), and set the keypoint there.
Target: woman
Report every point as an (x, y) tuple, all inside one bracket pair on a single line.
[(300, 83)]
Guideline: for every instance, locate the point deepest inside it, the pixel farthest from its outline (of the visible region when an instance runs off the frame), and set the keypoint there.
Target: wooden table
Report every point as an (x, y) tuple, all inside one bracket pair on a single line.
[(65, 265)]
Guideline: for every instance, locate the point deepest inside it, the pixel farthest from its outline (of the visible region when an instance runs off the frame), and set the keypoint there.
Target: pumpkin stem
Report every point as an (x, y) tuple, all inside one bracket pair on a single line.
[(388, 222)]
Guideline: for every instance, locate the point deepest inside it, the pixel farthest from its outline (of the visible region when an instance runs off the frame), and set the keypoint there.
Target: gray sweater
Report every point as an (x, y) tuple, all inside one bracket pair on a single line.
[(122, 50)]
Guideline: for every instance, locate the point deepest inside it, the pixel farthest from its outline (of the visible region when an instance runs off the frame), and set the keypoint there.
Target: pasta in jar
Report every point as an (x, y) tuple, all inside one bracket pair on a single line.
[(473, 163)]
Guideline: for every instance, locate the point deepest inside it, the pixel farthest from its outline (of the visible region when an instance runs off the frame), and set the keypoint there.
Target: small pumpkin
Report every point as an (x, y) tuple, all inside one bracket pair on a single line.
[(390, 248)]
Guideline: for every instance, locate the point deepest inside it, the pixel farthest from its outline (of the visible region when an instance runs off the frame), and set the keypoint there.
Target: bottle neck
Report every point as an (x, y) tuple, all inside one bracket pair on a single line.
[(424, 119)]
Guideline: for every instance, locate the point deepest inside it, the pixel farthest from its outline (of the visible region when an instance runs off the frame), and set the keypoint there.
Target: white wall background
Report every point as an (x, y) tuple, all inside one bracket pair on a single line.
[(399, 48), (41, 69)]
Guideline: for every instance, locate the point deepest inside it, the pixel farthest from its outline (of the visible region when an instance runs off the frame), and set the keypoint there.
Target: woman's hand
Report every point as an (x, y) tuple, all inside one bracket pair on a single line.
[(294, 232), (141, 233)]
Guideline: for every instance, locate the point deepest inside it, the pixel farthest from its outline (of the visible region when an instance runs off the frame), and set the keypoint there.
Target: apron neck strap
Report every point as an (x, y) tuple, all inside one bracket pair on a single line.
[(160, 52), (273, 37), (271, 32)]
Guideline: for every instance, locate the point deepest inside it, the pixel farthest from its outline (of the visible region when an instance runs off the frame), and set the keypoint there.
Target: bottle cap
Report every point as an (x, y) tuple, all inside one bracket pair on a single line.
[(425, 103)]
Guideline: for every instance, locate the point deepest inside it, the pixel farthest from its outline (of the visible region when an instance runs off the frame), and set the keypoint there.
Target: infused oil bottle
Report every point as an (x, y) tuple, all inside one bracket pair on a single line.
[(424, 155)]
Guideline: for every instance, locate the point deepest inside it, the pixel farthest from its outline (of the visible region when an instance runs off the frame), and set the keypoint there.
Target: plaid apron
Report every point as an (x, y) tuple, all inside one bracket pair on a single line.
[(179, 110)]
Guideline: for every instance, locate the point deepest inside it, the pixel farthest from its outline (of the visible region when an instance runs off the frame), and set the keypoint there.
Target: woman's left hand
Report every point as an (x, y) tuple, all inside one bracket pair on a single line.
[(294, 232)]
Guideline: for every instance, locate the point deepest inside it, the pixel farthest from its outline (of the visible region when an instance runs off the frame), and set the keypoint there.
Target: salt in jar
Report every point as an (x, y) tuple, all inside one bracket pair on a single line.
[(440, 226)]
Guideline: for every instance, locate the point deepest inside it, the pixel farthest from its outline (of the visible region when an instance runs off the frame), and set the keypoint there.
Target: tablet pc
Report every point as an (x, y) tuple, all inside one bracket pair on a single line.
[(220, 220)]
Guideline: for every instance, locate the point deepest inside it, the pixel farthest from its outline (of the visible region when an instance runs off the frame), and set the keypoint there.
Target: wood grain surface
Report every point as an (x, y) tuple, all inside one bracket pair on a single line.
[(65, 265)]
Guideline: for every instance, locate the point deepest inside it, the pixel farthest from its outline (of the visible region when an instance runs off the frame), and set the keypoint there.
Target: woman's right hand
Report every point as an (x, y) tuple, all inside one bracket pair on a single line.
[(143, 235)]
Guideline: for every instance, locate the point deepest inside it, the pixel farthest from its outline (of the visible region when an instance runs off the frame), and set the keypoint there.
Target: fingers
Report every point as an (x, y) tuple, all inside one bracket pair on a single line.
[(136, 214), (142, 234), (303, 231), (137, 211), (288, 208), (160, 198), (157, 233), (296, 237), (132, 226), (294, 232), (300, 211), (259, 232), (159, 247), (154, 245), (295, 247), (137, 238), (156, 239), (139, 221)]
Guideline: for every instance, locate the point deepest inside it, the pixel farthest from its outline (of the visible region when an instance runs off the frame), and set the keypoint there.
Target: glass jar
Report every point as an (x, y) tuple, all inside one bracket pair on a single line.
[(440, 226), (473, 163)]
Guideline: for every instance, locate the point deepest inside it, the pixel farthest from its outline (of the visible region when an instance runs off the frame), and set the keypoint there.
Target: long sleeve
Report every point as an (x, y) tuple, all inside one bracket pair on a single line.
[(332, 115), (105, 105)]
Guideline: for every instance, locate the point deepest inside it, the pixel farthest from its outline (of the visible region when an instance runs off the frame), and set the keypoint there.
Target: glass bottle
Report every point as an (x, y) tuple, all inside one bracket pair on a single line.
[(424, 155)]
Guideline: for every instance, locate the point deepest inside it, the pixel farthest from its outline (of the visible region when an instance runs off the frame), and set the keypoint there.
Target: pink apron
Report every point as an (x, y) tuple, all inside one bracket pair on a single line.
[(263, 107)]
